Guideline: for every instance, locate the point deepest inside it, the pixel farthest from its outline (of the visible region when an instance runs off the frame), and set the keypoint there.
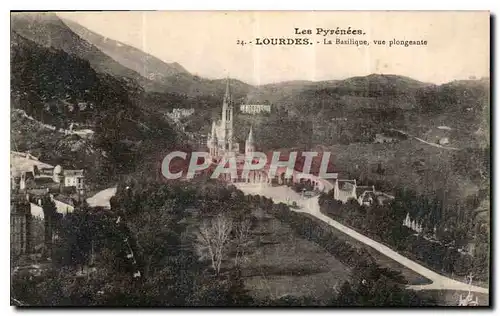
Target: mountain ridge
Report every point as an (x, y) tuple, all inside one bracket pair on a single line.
[(150, 67), (386, 98), (48, 30), (153, 74)]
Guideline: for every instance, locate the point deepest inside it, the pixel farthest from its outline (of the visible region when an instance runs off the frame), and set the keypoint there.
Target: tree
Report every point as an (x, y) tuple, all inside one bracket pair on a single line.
[(242, 239), (214, 236)]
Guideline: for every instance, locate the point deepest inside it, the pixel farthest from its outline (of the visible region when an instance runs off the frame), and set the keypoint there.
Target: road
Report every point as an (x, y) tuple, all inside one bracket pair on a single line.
[(101, 199), (423, 141), (311, 206), (283, 194)]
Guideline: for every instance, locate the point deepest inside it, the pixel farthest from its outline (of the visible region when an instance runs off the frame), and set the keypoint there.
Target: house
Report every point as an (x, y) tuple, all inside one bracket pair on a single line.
[(74, 178), (444, 141), (35, 178), (367, 198), (25, 162), (365, 194), (63, 203), (344, 190)]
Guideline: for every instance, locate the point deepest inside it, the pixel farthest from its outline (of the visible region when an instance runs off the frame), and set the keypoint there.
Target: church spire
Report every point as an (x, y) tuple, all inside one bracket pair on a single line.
[(250, 136), (249, 146), (213, 135), (227, 95)]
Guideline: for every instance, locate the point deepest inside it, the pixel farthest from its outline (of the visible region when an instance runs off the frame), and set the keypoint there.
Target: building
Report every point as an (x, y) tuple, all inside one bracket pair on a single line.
[(220, 141), (345, 190), (74, 178), (381, 139), (40, 195), (71, 178), (249, 144), (255, 108), (20, 226), (32, 224), (222, 144), (366, 195), (179, 113), (412, 224), (444, 141)]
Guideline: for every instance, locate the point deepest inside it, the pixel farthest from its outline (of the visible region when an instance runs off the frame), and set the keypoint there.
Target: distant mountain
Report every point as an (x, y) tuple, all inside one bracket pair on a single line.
[(375, 92), (46, 29), (118, 59), (367, 103), (135, 59), (372, 91), (171, 77), (355, 109)]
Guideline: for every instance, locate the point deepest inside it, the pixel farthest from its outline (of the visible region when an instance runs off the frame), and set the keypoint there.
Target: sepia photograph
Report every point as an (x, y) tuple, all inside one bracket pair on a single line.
[(250, 159)]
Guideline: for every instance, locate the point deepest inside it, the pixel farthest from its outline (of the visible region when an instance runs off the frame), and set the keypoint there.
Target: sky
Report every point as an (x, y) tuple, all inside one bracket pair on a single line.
[(205, 43)]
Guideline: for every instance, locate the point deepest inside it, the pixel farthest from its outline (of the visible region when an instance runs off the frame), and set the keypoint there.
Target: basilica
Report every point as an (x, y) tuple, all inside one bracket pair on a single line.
[(220, 140)]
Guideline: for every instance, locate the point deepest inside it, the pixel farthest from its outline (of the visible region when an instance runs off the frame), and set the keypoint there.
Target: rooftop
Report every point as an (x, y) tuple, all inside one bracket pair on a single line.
[(360, 189), (64, 198), (70, 173), (346, 185), (24, 162)]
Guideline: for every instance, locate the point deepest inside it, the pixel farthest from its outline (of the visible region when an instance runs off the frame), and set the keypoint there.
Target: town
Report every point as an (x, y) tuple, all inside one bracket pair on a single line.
[(42, 194), (238, 180)]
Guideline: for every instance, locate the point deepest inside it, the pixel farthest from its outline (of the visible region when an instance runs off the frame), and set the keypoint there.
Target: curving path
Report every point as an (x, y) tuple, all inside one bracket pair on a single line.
[(423, 141), (101, 198), (311, 206), (283, 194)]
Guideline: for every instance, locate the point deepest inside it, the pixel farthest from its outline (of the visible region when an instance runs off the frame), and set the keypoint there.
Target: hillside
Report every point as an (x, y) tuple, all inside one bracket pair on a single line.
[(171, 77), (375, 91), (354, 109), (46, 29), (307, 113), (338, 111), (372, 91), (130, 57), (58, 89), (29, 135)]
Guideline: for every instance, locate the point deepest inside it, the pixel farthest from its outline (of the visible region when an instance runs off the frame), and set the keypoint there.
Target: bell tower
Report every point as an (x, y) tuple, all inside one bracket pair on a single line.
[(227, 119)]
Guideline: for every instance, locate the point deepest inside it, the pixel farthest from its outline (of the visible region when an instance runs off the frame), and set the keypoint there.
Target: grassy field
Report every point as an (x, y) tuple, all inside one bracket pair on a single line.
[(281, 263)]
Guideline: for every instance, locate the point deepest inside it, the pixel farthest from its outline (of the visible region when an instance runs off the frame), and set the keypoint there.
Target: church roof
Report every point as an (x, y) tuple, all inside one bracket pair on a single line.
[(73, 173)]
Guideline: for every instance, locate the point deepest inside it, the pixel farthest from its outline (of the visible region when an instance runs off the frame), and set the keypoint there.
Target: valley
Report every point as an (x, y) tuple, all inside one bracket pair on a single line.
[(87, 102)]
